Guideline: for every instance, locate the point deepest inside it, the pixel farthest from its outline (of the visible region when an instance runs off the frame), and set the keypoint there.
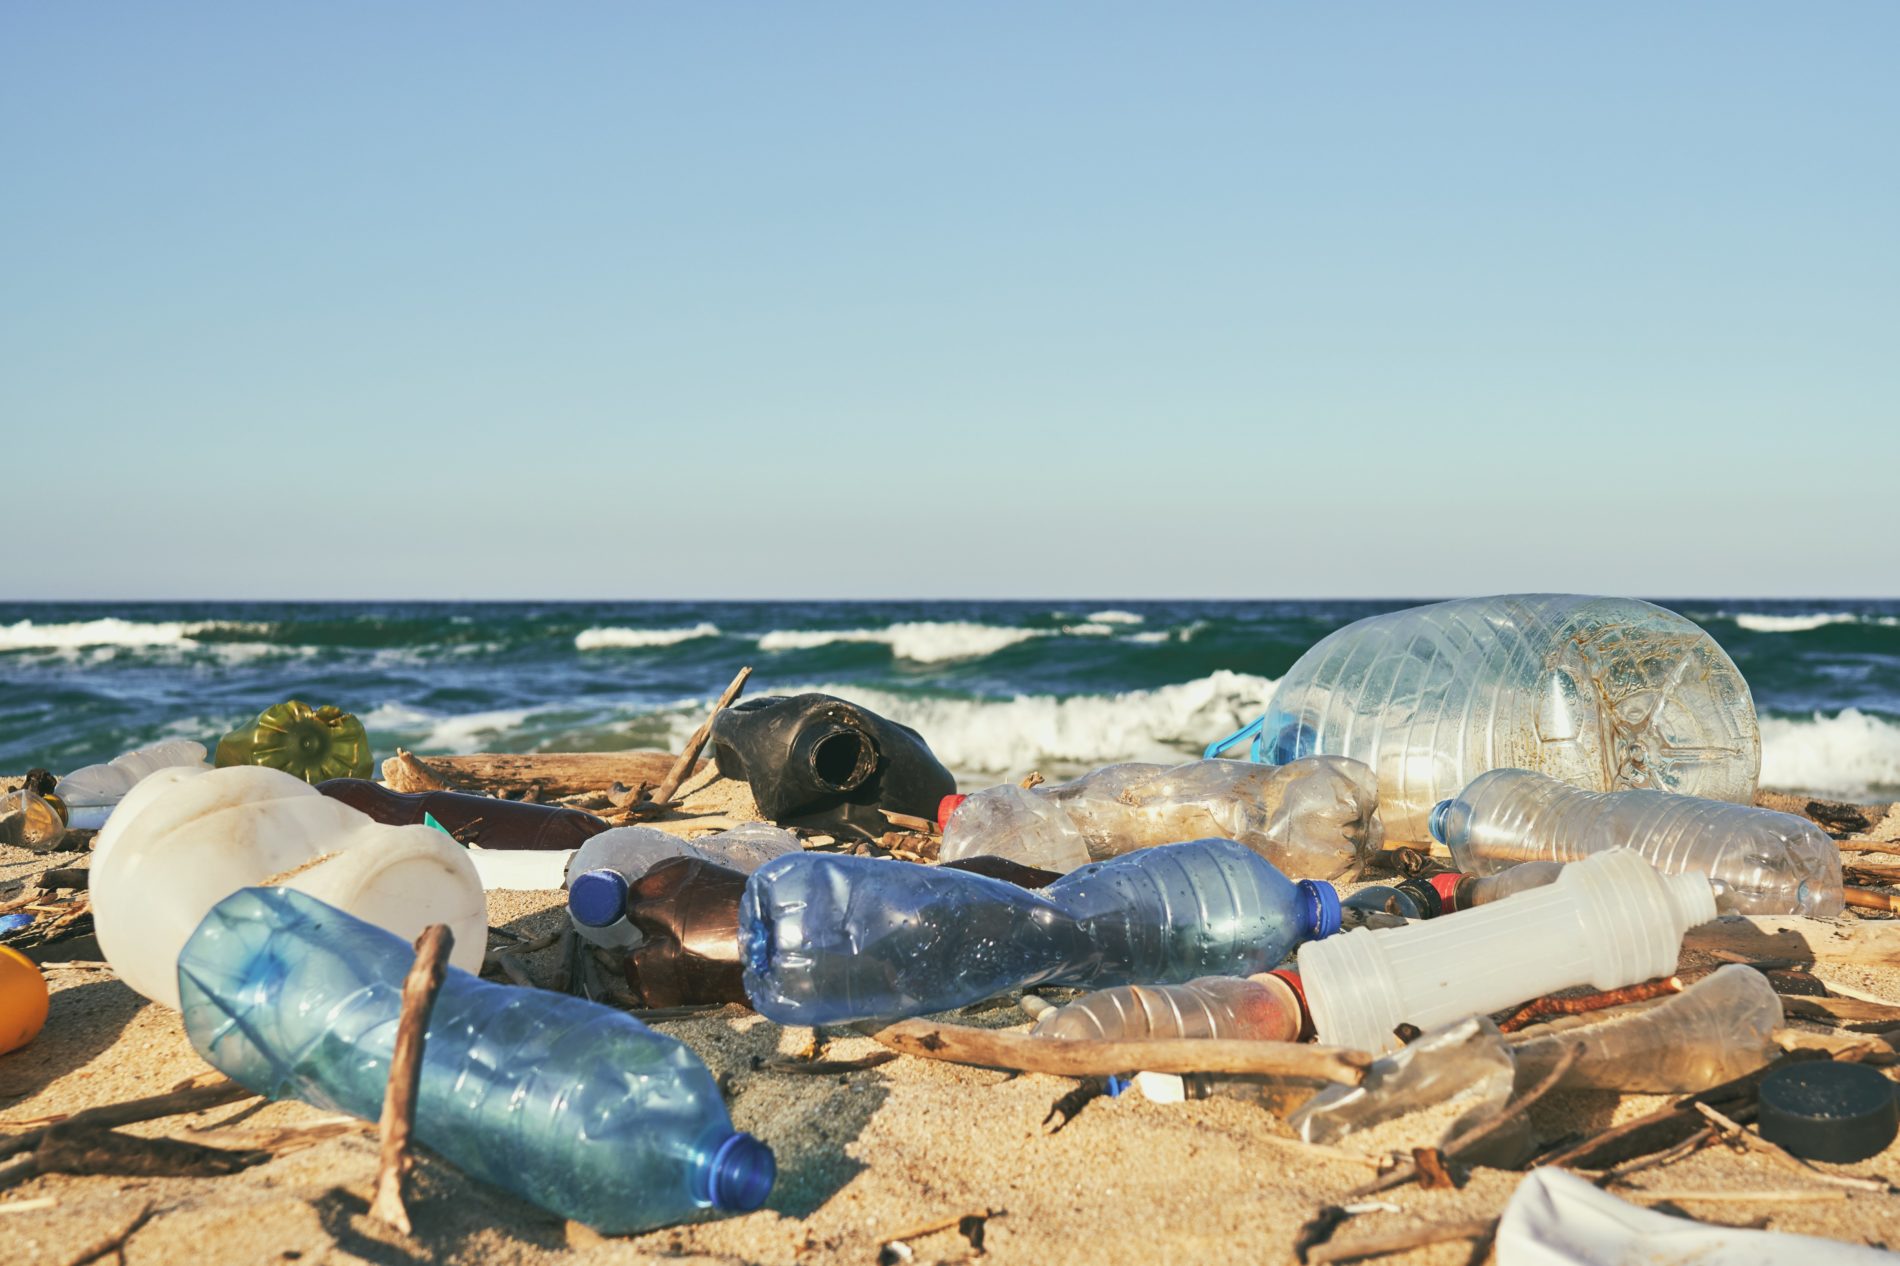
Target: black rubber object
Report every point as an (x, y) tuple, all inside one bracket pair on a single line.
[(1829, 1111), (820, 762)]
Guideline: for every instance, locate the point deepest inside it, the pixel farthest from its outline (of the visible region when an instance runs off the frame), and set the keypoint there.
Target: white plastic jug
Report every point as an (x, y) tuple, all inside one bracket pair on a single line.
[(176, 851)]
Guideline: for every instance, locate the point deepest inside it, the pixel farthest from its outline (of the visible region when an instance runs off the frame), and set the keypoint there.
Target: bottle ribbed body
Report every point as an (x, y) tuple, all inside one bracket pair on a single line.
[(1257, 1007), (829, 939), (1602, 693), (1763, 862), (570, 1104)]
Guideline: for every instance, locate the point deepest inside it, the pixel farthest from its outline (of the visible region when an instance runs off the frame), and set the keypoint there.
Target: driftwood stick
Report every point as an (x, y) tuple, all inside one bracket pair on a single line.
[(1551, 1005), (192, 1097), (995, 1048), (922, 826), (405, 1067), (682, 767), (1868, 899), (1733, 1131), (1402, 1241)]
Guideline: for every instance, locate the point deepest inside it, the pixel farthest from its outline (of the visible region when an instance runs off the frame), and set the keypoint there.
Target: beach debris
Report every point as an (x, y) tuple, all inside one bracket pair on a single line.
[(1762, 862), (894, 1249), (33, 821), (308, 743), (1828, 1111), (600, 878), (818, 761), (477, 821), (533, 776), (1847, 819), (419, 989), (1580, 1004), (1264, 1007), (662, 797), (23, 1000), (1464, 1063), (91, 793)]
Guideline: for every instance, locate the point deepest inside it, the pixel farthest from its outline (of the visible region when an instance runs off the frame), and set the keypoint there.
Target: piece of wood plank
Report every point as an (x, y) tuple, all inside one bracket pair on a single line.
[(1869, 942), (548, 775)]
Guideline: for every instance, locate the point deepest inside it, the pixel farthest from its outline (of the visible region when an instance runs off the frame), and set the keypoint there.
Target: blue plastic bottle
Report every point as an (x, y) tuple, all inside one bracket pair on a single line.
[(577, 1107), (829, 939)]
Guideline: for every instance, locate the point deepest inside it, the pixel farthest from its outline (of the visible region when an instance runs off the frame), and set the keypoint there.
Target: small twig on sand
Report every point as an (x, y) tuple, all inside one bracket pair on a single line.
[(1090, 1057), (1694, 1143), (922, 826), (1733, 1131), (1868, 899), (1552, 1005), (1402, 1241), (193, 1096), (663, 794), (112, 1243), (405, 1066)]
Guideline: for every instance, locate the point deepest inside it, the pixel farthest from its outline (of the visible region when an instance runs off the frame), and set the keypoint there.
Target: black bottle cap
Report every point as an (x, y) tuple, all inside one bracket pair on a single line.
[(1829, 1111)]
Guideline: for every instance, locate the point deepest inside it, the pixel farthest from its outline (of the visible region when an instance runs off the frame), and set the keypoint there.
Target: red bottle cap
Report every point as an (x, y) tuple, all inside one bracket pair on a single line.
[(1446, 886), (946, 807), (1292, 979)]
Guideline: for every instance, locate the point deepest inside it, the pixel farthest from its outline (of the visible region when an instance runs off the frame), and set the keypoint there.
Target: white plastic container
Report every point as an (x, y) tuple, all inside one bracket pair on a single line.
[(1601, 693), (200, 838), (1763, 862), (92, 792), (1609, 921), (601, 871)]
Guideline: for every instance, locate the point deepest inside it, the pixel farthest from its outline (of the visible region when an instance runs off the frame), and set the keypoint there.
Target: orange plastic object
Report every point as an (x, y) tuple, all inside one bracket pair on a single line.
[(23, 1000)]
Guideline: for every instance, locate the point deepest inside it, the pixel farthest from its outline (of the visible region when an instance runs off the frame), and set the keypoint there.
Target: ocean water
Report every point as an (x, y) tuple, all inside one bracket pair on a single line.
[(997, 688)]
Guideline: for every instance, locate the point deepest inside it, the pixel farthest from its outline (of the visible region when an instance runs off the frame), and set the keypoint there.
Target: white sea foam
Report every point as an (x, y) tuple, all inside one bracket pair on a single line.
[(1851, 754), (929, 642), (468, 732), (622, 639), (1112, 616), (1761, 623), (111, 631)]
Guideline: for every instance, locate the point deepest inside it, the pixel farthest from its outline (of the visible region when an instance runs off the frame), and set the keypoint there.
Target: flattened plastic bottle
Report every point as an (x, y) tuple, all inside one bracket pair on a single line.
[(1762, 862), (1317, 817), (1264, 1007), (575, 1106), (1603, 693), (829, 939)]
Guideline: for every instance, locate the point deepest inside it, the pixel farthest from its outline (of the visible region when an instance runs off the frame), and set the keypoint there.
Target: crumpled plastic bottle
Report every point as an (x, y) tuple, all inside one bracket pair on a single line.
[(572, 1105), (313, 744), (829, 939)]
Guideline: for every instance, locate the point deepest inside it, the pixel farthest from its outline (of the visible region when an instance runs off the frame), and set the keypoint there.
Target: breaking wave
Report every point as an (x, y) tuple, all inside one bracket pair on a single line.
[(27, 635), (1851, 753), (599, 639)]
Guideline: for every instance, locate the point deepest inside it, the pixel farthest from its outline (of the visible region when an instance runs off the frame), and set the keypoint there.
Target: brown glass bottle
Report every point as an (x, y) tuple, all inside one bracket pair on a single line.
[(482, 821)]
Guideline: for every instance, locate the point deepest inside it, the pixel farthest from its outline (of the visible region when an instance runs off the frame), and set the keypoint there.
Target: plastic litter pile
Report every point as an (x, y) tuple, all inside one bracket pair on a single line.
[(1550, 793)]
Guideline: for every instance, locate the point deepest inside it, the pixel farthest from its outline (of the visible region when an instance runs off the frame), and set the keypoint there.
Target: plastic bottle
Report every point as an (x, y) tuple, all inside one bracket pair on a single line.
[(1264, 1006), (1603, 693), (828, 939), (1316, 817), (32, 821), (91, 793), (479, 821), (1763, 862), (600, 875), (1472, 891), (1720, 1028), (313, 744), (203, 837), (1609, 921), (23, 1000), (577, 1107)]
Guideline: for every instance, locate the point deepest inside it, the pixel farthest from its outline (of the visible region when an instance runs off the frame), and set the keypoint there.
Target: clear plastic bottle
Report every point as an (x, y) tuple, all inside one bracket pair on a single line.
[(1763, 862), (1720, 1028), (1264, 1006), (575, 1106), (1317, 817), (1602, 693), (1472, 891), (829, 939), (91, 793), (1608, 921), (31, 821), (604, 870)]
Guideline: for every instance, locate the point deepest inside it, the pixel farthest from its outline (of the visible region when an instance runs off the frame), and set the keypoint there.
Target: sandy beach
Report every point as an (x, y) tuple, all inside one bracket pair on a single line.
[(953, 1162)]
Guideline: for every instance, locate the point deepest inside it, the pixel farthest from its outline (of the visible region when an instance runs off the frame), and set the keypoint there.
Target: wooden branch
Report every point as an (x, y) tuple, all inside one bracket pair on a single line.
[(1551, 1005), (1021, 1052), (405, 1068), (1402, 1241), (546, 774), (694, 745), (1868, 899), (922, 826), (1868, 942), (406, 772), (196, 1096)]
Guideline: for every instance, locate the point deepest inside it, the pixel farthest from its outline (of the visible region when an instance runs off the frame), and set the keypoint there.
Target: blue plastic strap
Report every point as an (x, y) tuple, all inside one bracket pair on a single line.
[(1250, 730)]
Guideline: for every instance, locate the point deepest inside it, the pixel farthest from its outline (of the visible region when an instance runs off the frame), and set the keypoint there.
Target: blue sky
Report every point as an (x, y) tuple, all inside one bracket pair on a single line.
[(639, 300)]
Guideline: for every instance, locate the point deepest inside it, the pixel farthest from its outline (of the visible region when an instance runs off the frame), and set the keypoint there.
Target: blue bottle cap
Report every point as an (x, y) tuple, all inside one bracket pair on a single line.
[(598, 898), (1325, 915), (11, 923), (1440, 812), (741, 1174), (1118, 1085)]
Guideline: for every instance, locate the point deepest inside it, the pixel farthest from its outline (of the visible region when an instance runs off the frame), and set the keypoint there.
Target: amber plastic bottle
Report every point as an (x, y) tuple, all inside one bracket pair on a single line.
[(482, 821)]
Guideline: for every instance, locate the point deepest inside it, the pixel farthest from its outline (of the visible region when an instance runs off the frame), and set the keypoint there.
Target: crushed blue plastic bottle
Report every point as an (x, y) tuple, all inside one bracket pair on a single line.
[(829, 939), (574, 1106)]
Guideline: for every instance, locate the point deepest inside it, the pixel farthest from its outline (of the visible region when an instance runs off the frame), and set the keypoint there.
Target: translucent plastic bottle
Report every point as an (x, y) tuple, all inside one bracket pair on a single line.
[(1316, 817), (1763, 862), (605, 869), (91, 793), (1602, 693), (31, 821), (577, 1107), (1720, 1028), (1609, 921), (1264, 1006), (828, 939)]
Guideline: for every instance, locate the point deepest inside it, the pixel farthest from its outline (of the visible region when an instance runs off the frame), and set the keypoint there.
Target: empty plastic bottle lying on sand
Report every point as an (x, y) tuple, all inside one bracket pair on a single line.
[(1763, 862), (1608, 921), (828, 939), (1720, 1028), (572, 1105), (1602, 693), (1316, 817), (600, 875), (1265, 1006), (313, 744), (179, 850), (479, 821), (91, 793), (31, 821)]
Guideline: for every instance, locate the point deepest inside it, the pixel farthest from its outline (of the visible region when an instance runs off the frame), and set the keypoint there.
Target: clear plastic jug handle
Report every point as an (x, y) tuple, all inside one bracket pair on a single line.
[(1251, 730)]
